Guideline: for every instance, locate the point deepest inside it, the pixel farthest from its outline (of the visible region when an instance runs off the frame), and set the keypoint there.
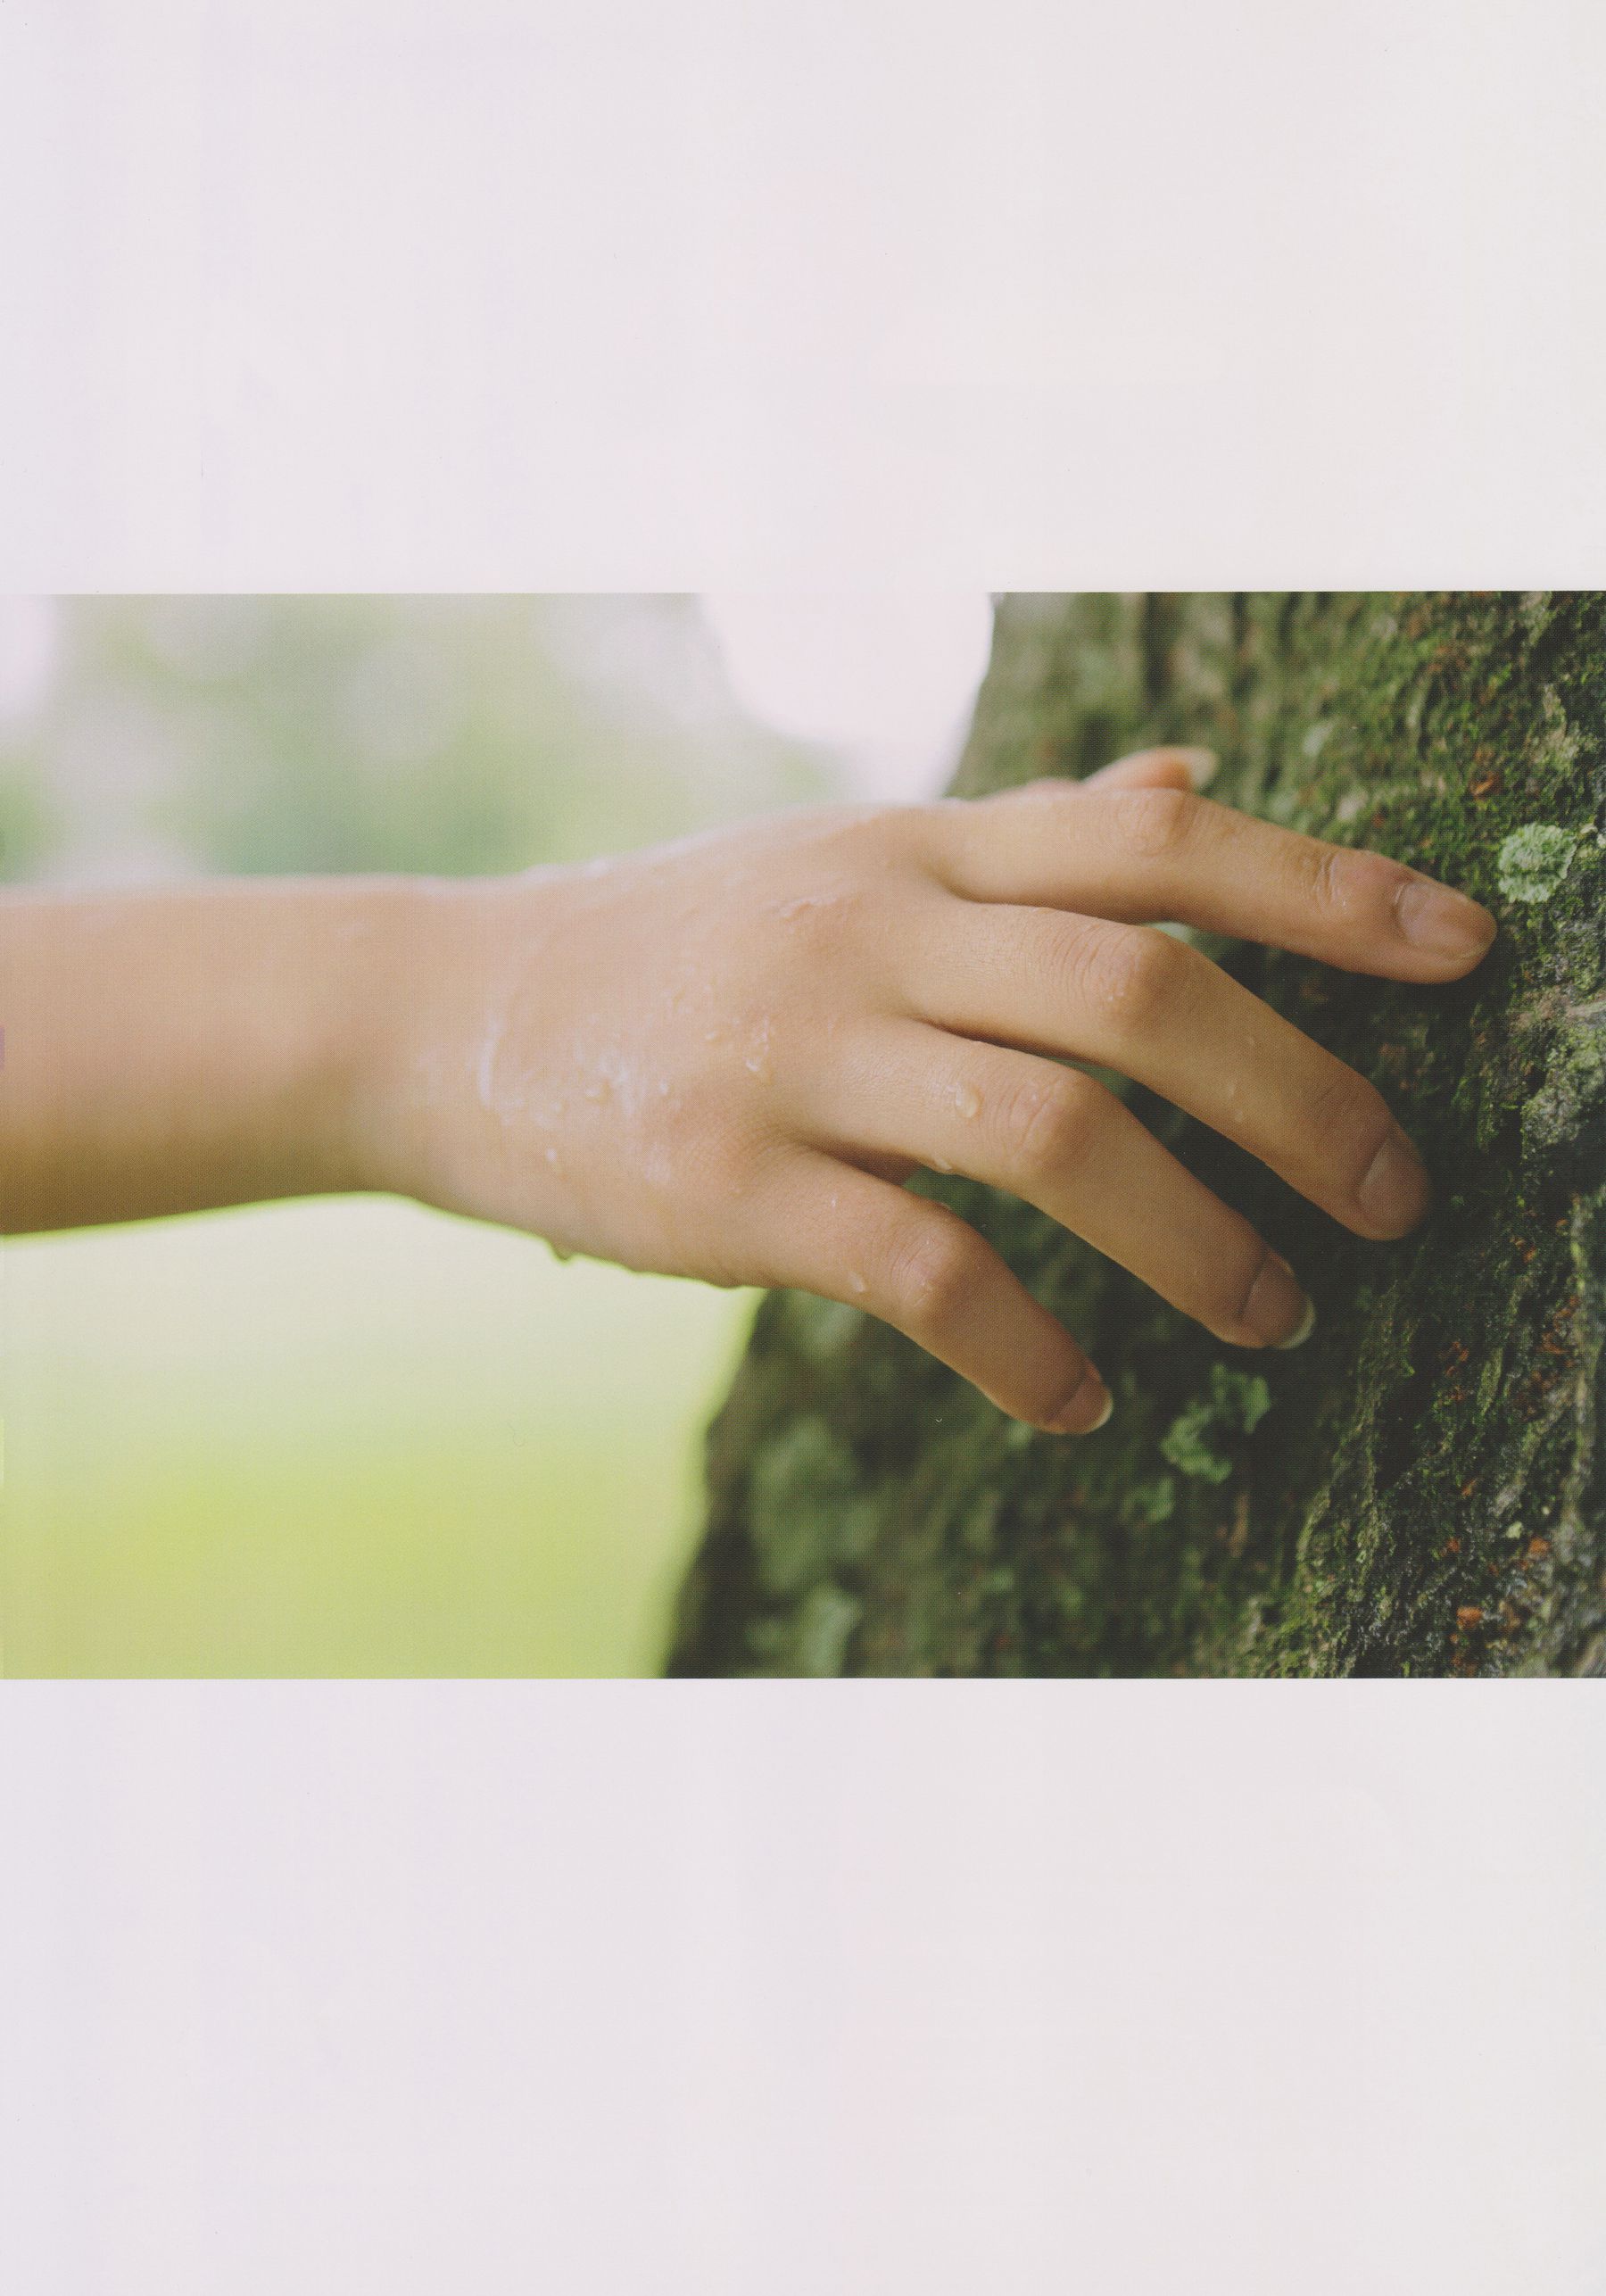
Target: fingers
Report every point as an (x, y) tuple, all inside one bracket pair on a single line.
[(1144, 1003), (1150, 853), (1061, 1141), (920, 1268), (1163, 768)]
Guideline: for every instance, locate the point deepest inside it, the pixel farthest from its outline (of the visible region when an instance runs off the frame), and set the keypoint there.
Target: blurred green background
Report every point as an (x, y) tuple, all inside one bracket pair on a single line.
[(353, 1436)]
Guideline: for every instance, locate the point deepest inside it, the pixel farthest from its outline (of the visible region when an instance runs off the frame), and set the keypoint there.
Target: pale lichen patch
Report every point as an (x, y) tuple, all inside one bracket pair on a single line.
[(1533, 861)]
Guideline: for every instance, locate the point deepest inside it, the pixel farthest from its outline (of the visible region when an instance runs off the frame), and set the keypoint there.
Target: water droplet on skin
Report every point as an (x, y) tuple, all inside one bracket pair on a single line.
[(560, 1252), (486, 1067), (857, 1282), (551, 1156), (938, 1163), (757, 1061), (967, 1100)]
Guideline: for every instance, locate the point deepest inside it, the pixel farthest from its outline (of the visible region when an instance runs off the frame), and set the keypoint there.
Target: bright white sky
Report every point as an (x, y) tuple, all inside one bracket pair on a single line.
[(30, 634), (888, 680), (361, 295)]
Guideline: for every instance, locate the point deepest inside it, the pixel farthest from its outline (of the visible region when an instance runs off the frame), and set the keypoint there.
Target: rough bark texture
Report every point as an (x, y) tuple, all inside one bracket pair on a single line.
[(1422, 1488)]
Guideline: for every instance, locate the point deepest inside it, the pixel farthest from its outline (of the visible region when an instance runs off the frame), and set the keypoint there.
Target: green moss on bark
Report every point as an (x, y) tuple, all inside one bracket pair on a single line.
[(1421, 1488)]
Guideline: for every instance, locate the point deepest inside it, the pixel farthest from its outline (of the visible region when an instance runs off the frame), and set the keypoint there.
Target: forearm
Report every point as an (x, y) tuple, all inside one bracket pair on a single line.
[(170, 1050)]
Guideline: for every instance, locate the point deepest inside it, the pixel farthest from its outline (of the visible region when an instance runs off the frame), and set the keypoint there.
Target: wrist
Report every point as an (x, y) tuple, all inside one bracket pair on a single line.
[(451, 970), (390, 975)]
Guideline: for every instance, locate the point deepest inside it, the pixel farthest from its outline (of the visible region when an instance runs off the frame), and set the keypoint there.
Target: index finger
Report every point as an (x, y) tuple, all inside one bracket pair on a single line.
[(1153, 856)]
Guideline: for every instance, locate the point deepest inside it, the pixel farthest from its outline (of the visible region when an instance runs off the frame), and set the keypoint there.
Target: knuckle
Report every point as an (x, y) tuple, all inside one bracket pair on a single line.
[(882, 834), (935, 1274), (842, 846), (1131, 974), (1351, 1120), (1328, 881), (1048, 1124), (1157, 824)]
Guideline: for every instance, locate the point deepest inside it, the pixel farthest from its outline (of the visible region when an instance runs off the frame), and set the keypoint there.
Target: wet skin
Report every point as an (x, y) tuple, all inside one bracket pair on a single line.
[(722, 1058)]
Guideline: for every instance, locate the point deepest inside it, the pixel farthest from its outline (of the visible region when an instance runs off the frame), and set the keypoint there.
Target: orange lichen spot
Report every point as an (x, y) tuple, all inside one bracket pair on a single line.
[(1468, 1615), (1453, 1546), (1486, 785)]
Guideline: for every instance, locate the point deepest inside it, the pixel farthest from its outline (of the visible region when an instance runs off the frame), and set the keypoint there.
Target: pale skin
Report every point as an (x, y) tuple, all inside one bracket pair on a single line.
[(722, 1058)]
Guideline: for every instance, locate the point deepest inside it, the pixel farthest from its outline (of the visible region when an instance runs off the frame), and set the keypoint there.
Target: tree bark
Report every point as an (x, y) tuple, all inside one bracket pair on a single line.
[(1421, 1489)]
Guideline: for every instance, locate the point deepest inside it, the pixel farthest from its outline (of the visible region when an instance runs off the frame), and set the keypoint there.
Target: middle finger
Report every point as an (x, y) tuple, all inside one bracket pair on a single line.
[(1141, 1001)]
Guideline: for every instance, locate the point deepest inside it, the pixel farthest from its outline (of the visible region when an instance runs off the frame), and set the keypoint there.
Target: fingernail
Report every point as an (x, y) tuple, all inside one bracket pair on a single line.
[(1277, 1310), (1303, 1329), (1089, 1407), (1201, 765), (1395, 1191), (1442, 923)]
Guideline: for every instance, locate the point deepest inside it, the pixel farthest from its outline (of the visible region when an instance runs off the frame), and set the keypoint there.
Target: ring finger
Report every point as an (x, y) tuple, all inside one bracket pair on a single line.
[(1132, 999), (1062, 1141)]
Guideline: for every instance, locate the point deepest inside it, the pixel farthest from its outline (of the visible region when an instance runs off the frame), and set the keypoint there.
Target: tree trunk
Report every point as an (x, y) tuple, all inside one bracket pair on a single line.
[(1421, 1488)]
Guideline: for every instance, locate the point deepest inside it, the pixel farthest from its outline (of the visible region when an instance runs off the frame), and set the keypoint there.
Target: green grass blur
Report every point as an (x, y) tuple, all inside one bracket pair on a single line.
[(345, 1438)]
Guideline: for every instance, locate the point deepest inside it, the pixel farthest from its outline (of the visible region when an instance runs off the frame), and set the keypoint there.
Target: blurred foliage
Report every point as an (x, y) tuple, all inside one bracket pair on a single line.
[(30, 832), (335, 733)]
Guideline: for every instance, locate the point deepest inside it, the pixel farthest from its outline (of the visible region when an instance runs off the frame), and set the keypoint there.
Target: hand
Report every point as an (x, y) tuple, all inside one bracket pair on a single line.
[(722, 1058)]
